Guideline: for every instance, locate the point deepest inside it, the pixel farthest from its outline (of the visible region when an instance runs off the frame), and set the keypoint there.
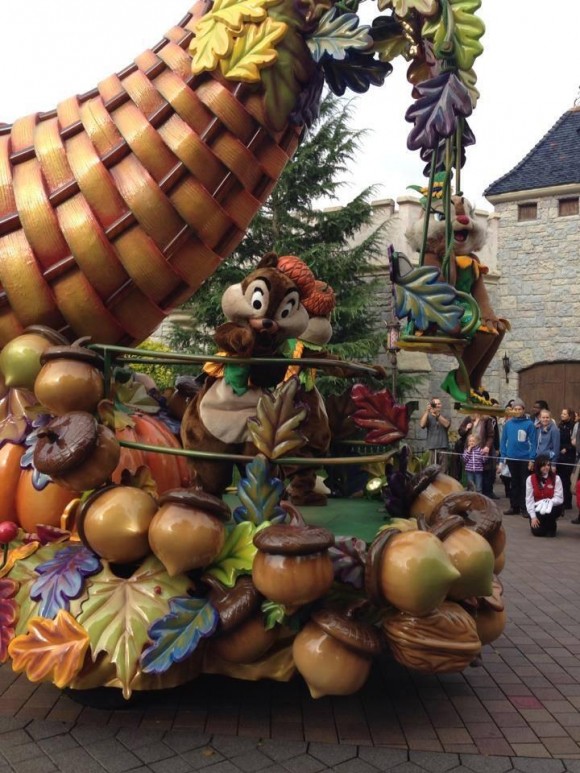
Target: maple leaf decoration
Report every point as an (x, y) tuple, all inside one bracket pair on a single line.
[(52, 650), (386, 420)]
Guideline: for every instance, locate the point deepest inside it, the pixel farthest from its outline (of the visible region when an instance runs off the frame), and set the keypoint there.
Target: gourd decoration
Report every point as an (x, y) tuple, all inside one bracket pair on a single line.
[(20, 357)]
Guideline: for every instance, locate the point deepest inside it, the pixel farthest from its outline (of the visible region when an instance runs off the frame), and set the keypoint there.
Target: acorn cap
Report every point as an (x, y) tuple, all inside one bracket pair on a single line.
[(49, 333), (358, 636), (288, 540), (65, 443), (73, 352), (233, 605), (197, 499)]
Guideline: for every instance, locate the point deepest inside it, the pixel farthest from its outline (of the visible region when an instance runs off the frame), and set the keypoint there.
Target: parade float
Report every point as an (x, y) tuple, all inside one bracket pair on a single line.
[(133, 562)]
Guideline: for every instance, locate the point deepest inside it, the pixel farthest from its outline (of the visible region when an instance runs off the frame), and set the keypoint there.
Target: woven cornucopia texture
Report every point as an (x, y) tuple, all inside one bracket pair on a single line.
[(117, 205)]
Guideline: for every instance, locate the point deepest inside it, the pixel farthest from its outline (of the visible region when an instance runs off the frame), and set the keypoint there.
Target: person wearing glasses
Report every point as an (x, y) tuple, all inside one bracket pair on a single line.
[(544, 498), (437, 427)]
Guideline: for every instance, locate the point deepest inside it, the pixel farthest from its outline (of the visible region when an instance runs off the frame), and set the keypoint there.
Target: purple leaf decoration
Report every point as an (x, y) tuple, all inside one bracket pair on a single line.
[(348, 556), (62, 579), (176, 635), (434, 115), (467, 139), (307, 107)]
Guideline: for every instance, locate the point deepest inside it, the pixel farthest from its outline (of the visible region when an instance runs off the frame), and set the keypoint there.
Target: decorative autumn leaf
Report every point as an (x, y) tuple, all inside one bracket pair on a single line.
[(469, 79), (177, 635), (233, 13), (389, 38), (133, 396), (403, 7), (112, 418), (378, 412), (252, 51), (467, 138), (213, 41), (8, 615), (336, 33), (16, 554), (348, 556), (357, 72), (274, 430), (292, 71), (141, 478), (237, 554), (23, 573), (274, 614), (442, 100), (420, 296), (119, 610), (52, 650), (15, 420), (467, 30), (259, 494), (62, 578)]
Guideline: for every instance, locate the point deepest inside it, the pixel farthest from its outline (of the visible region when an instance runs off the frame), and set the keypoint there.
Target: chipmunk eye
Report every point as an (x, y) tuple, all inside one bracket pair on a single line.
[(439, 216)]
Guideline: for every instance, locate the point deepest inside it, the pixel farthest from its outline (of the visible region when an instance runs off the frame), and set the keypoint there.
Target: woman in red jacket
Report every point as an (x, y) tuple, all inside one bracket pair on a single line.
[(544, 498)]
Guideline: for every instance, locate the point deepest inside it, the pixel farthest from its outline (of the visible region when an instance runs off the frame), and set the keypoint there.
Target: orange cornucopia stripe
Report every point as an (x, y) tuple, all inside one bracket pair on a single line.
[(117, 205)]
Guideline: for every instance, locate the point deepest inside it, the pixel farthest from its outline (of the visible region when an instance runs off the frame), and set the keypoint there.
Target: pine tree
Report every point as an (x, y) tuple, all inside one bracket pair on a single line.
[(289, 224)]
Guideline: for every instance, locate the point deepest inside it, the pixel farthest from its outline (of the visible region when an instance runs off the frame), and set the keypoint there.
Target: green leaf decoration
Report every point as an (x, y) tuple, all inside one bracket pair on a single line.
[(274, 614), (259, 494), (336, 33), (469, 79), (253, 50), (237, 554), (275, 429), (118, 612), (467, 30), (420, 296), (177, 635), (233, 13), (404, 7), (213, 41), (291, 72)]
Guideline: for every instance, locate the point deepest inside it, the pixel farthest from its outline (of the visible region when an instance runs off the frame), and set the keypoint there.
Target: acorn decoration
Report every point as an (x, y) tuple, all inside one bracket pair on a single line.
[(292, 566), (409, 570), (443, 641), (188, 531), (241, 636), (470, 554), (429, 488), (20, 358), (114, 523), (70, 379), (489, 614), (76, 451), (334, 653)]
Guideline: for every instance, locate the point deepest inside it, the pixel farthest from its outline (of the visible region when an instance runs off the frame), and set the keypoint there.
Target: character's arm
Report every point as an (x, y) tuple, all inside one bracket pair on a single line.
[(234, 338)]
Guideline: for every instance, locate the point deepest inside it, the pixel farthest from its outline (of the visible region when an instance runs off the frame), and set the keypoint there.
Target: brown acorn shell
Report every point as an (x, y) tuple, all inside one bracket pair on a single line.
[(288, 540), (197, 499), (360, 637)]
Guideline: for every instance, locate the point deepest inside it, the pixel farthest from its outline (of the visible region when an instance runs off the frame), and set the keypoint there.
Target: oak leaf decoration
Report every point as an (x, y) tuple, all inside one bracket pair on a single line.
[(442, 101), (467, 30), (51, 650), (213, 41), (8, 615), (385, 420), (252, 51), (233, 13), (274, 431)]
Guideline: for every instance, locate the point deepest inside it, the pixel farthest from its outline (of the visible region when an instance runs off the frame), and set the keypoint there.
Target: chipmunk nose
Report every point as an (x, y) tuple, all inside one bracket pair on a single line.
[(463, 219)]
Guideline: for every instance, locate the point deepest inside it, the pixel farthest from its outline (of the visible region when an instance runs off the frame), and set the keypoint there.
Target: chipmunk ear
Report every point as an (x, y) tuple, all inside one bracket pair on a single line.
[(269, 260)]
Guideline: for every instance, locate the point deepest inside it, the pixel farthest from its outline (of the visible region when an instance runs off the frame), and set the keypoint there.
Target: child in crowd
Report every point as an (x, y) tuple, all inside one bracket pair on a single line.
[(473, 461)]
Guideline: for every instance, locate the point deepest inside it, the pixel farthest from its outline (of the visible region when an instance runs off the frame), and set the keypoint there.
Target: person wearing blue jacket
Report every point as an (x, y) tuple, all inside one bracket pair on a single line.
[(518, 448), (548, 437)]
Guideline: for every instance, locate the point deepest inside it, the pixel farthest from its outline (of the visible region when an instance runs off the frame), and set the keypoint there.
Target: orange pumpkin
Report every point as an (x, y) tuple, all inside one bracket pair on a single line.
[(20, 501), (167, 470)]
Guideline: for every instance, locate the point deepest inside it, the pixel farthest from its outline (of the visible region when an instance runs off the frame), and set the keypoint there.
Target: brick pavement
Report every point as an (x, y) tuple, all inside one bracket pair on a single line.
[(519, 711)]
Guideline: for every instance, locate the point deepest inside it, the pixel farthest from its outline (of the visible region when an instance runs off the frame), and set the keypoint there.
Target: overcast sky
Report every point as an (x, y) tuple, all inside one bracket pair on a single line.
[(529, 74)]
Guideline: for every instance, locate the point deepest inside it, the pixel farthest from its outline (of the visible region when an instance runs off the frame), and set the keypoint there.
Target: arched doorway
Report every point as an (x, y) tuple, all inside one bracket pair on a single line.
[(558, 383)]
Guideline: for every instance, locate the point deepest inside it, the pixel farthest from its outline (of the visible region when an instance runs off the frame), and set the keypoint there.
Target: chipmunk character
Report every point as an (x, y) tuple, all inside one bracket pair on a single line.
[(466, 274), (263, 311), (319, 304)]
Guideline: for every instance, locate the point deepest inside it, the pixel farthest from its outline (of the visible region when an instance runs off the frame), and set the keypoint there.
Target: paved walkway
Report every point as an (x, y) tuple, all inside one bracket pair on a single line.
[(519, 711)]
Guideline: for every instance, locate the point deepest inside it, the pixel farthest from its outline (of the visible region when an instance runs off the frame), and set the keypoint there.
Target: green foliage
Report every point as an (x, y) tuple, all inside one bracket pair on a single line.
[(163, 375), (290, 224)]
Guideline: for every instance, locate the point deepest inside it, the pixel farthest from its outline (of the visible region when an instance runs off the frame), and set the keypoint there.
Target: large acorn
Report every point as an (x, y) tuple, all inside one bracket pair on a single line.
[(446, 640), (76, 451), (410, 570), (430, 487), (292, 566), (470, 553), (114, 523), (334, 653), (70, 379), (20, 358), (188, 531), (241, 636)]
